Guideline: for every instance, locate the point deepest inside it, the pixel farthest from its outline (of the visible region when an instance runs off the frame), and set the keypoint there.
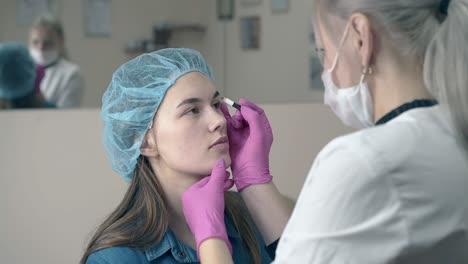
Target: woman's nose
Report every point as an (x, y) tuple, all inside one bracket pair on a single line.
[(218, 121)]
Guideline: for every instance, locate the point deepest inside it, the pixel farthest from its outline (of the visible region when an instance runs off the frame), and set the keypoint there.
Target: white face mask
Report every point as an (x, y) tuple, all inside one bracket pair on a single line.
[(353, 105), (44, 58)]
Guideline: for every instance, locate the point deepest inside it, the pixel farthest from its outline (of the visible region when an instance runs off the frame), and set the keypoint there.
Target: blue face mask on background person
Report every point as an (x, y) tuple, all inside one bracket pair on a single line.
[(353, 105)]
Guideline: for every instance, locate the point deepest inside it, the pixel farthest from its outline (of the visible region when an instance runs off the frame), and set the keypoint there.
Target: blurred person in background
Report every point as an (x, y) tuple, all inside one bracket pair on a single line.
[(63, 83)]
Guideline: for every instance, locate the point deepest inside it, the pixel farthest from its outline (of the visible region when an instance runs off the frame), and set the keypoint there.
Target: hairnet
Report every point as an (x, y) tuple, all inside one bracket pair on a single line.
[(133, 97), (17, 71)]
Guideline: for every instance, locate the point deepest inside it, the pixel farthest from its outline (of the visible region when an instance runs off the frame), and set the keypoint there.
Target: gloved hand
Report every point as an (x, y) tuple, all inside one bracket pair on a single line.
[(203, 205), (250, 139)]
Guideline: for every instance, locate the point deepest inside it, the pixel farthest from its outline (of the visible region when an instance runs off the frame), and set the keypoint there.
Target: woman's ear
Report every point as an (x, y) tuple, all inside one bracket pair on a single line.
[(363, 38), (148, 147)]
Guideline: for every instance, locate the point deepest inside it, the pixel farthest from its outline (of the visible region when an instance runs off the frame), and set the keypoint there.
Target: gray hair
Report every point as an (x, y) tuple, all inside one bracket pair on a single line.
[(436, 41), (53, 24)]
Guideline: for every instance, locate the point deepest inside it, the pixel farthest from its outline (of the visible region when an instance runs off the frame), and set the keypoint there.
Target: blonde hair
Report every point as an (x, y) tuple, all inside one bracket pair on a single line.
[(423, 32)]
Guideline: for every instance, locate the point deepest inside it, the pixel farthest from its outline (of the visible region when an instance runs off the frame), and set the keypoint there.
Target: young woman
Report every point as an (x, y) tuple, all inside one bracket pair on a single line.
[(163, 132)]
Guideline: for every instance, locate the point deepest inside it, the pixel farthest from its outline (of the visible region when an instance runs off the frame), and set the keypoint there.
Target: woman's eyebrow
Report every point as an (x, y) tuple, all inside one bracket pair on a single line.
[(189, 101), (196, 100)]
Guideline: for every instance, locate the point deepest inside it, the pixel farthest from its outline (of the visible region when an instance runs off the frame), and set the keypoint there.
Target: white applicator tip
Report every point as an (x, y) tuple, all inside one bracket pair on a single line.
[(231, 103)]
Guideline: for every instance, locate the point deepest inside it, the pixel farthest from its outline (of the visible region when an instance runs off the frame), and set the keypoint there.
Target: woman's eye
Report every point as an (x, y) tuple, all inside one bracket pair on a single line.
[(217, 105), (193, 111)]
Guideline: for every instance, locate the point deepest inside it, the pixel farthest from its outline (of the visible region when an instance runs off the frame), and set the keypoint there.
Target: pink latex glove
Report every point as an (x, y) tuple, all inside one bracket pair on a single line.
[(203, 206), (250, 139)]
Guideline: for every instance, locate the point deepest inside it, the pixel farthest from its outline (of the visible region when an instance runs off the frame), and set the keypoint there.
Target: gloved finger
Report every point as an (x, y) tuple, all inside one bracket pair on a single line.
[(237, 120), (218, 174), (250, 116), (235, 123), (232, 122), (235, 138), (255, 120), (240, 119), (238, 116), (254, 111), (228, 184), (225, 111), (246, 102), (228, 174)]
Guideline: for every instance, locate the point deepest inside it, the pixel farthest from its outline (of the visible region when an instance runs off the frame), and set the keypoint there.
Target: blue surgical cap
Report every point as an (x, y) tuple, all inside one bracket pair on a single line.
[(133, 98), (17, 71)]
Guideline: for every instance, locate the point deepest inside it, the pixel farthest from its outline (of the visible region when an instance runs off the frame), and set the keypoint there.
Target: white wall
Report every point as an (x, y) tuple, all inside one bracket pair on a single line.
[(300, 132), (56, 184)]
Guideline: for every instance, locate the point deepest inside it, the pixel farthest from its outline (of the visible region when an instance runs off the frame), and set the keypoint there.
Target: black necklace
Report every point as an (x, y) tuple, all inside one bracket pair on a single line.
[(405, 107)]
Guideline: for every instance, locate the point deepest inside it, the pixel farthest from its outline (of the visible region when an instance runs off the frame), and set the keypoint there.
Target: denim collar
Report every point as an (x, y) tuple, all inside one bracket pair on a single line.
[(180, 250)]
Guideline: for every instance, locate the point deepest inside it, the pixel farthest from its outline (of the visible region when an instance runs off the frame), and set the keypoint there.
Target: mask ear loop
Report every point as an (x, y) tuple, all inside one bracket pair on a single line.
[(343, 38)]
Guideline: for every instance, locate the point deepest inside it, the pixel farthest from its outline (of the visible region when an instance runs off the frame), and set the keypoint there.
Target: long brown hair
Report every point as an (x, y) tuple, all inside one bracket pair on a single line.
[(140, 220)]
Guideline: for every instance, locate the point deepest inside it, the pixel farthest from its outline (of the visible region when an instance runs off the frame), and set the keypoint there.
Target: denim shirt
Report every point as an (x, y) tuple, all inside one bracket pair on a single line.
[(170, 250)]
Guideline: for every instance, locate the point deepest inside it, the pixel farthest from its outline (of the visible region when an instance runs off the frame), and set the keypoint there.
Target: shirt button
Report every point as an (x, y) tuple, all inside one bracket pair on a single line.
[(181, 254)]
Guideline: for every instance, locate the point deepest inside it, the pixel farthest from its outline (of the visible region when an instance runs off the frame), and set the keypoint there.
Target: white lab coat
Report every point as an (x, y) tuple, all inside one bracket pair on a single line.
[(395, 193), (63, 84)]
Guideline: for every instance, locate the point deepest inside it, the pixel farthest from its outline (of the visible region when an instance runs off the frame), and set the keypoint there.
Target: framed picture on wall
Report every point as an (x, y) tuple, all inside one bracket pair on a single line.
[(225, 9), (279, 6), (250, 32), (251, 2), (27, 11), (97, 17)]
